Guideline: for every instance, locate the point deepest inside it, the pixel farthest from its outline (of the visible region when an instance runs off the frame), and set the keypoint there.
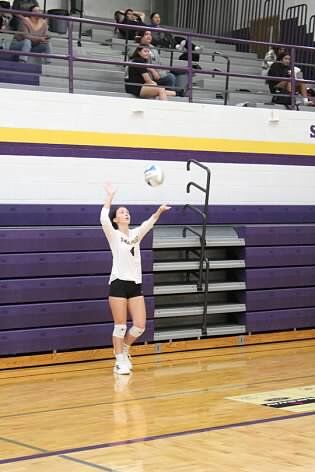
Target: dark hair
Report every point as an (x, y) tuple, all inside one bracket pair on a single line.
[(31, 7), (112, 216), (136, 51), (153, 14), (117, 15), (128, 10), (141, 34), (282, 55)]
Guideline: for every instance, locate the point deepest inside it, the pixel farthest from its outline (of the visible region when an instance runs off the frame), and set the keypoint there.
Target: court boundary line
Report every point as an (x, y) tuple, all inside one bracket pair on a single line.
[(63, 456), (152, 397), (126, 442)]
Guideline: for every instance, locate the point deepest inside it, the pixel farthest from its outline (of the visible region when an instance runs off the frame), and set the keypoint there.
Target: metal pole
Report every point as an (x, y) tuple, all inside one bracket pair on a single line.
[(190, 71), (70, 56), (80, 25), (44, 6), (227, 81), (293, 81)]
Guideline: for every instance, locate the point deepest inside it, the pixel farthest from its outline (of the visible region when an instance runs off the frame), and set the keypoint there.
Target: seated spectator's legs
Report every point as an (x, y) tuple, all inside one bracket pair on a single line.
[(24, 45), (181, 83), (153, 92), (43, 48), (168, 80), (286, 86)]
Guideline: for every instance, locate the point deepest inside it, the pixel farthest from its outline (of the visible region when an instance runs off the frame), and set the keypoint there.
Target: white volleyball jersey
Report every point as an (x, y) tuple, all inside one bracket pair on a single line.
[(125, 249)]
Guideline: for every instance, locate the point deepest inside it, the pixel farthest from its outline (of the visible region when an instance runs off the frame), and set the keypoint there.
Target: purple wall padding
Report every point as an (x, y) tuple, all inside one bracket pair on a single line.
[(279, 277), (57, 239), (260, 300), (37, 315), (278, 256), (275, 235), (62, 264), (19, 78), (62, 338), (279, 319), (87, 215), (20, 67), (59, 289)]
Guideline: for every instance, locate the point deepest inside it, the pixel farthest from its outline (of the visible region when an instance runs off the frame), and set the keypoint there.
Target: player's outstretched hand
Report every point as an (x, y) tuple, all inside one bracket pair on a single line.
[(164, 208), (110, 189)]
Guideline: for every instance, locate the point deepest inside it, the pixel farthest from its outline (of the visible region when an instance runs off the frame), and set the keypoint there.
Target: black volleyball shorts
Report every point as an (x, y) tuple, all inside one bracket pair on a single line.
[(125, 289)]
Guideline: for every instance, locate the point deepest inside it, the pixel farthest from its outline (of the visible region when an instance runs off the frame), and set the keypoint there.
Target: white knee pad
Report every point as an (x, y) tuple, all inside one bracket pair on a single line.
[(135, 331), (120, 330)]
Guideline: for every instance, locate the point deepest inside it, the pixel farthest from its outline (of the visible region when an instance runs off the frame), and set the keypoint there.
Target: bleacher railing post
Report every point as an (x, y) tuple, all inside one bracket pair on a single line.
[(70, 56), (190, 70), (293, 80)]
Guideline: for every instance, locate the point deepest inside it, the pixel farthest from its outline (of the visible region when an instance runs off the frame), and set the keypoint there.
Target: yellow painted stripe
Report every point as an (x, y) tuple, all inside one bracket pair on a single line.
[(42, 136)]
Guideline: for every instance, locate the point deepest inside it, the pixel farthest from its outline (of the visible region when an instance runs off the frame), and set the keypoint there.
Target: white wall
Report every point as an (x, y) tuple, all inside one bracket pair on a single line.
[(116, 121), (106, 9), (101, 8)]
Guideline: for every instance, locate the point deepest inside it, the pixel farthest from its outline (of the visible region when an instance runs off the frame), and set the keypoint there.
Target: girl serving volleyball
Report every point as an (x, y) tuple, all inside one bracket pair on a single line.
[(125, 293)]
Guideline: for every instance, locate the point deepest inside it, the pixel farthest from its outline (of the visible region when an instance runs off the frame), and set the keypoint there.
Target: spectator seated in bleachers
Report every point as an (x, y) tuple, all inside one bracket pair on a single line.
[(139, 80), (159, 38), (178, 80), (24, 5), (119, 18), (281, 68), (162, 77), (133, 18), (270, 58), (32, 36), (5, 18), (167, 40)]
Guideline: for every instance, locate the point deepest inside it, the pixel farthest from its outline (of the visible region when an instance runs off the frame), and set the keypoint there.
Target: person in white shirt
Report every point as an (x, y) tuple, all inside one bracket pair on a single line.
[(125, 292)]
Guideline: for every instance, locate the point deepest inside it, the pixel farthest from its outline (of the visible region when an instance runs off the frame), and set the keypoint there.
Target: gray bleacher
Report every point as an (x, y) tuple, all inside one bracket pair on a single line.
[(108, 79)]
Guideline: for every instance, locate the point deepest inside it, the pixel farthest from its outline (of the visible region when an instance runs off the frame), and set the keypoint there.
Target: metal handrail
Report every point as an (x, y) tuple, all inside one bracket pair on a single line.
[(203, 281), (188, 69), (227, 79), (204, 331), (203, 214)]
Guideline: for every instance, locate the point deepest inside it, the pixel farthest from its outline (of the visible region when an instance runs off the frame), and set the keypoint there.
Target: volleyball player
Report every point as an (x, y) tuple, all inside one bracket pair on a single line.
[(125, 292)]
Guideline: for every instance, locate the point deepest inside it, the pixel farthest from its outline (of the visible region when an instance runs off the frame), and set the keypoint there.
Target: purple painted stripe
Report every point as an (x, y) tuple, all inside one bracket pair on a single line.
[(88, 215), (110, 152), (156, 437)]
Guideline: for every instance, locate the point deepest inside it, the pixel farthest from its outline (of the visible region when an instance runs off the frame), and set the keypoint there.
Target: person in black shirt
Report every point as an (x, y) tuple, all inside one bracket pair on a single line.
[(134, 18), (282, 68), (139, 81)]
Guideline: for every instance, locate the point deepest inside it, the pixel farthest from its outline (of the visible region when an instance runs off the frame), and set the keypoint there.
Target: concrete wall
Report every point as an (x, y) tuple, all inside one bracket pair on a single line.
[(65, 147)]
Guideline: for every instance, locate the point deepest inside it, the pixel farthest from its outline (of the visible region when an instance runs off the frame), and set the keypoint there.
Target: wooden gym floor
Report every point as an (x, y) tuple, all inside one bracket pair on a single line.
[(174, 413)]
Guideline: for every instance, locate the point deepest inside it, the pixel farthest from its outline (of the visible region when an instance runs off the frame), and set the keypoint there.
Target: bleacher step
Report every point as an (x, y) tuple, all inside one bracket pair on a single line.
[(194, 265), (194, 242), (197, 310), (192, 288), (186, 333)]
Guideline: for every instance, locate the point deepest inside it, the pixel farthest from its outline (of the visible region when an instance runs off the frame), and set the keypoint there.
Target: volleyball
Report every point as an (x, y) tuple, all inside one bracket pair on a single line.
[(153, 175)]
